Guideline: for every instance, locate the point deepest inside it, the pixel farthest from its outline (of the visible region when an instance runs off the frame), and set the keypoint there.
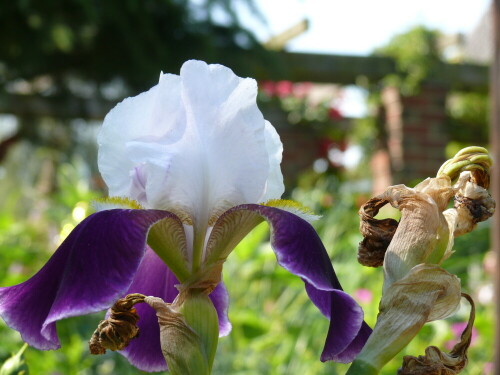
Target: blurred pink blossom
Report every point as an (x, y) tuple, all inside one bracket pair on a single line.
[(334, 114), (457, 329), (490, 263), (283, 88), (488, 368), (267, 87), (302, 89), (363, 295)]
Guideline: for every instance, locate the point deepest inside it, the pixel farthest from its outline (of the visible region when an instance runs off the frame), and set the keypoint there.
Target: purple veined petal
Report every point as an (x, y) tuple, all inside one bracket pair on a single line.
[(352, 350), (91, 269), (299, 250), (348, 332), (154, 278), (220, 299)]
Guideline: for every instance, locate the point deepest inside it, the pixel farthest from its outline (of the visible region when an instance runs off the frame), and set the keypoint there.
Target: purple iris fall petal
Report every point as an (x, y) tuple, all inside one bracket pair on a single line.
[(154, 278), (91, 269), (299, 250), (347, 333), (220, 299), (352, 350)]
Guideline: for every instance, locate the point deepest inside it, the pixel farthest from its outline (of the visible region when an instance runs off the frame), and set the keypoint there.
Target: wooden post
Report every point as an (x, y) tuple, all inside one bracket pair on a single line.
[(278, 42), (495, 151)]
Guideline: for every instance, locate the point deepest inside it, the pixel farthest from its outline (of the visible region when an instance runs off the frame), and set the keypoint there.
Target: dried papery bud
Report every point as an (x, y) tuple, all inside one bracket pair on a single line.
[(377, 234), (473, 204), (436, 362), (119, 328), (422, 235)]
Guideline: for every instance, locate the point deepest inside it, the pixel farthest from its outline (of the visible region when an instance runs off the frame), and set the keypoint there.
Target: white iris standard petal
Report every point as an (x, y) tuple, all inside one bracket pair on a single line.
[(226, 133), (274, 187), (195, 144), (154, 118)]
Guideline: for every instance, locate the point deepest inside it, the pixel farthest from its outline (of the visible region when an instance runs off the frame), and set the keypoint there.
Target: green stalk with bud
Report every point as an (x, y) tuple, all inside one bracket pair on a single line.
[(15, 365)]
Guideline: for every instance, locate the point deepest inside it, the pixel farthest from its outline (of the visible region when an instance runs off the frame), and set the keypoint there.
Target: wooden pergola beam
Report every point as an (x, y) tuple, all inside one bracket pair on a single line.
[(320, 68), (64, 107), (298, 67), (345, 70)]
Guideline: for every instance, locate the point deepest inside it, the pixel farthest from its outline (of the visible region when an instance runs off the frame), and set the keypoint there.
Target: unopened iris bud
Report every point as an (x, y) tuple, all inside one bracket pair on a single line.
[(189, 329), (188, 332), (200, 314), (15, 365), (474, 159)]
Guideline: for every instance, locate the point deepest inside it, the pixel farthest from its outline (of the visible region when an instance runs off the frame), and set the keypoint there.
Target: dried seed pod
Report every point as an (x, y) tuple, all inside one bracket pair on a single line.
[(119, 328)]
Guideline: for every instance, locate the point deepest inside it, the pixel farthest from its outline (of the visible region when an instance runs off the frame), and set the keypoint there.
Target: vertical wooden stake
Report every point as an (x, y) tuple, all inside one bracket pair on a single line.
[(495, 151)]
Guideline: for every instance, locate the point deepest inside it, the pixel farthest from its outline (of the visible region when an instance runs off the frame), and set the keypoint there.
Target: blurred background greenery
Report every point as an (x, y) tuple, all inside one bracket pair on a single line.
[(98, 53)]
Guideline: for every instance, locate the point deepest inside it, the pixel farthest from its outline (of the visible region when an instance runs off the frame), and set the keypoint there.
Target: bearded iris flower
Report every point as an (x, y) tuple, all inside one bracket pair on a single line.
[(193, 167)]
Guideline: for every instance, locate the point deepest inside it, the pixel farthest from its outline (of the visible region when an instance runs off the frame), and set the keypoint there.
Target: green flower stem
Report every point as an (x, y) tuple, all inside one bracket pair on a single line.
[(198, 246), (200, 314), (359, 367)]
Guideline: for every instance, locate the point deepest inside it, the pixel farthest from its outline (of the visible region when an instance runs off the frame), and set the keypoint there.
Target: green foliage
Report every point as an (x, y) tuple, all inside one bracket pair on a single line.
[(417, 57), (469, 114), (97, 42)]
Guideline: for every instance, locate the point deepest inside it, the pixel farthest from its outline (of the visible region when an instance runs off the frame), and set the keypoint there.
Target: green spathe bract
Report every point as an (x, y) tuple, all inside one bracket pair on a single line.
[(199, 313)]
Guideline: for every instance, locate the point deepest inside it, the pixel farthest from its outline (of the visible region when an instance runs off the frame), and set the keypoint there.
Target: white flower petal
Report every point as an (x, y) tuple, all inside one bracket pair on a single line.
[(195, 143), (274, 187), (141, 118)]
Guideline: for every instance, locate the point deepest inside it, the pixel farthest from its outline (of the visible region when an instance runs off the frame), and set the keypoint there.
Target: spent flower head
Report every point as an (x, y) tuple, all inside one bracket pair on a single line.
[(416, 288)]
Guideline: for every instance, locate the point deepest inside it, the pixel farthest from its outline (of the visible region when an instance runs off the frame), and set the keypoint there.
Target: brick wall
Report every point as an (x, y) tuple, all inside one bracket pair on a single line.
[(300, 145), (416, 134)]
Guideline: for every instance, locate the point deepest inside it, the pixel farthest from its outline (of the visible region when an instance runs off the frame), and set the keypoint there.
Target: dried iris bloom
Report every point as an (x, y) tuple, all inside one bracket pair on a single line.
[(416, 289)]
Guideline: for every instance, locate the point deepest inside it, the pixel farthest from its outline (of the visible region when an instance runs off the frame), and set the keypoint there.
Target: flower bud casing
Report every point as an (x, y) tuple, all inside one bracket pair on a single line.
[(15, 365), (200, 314), (188, 333)]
